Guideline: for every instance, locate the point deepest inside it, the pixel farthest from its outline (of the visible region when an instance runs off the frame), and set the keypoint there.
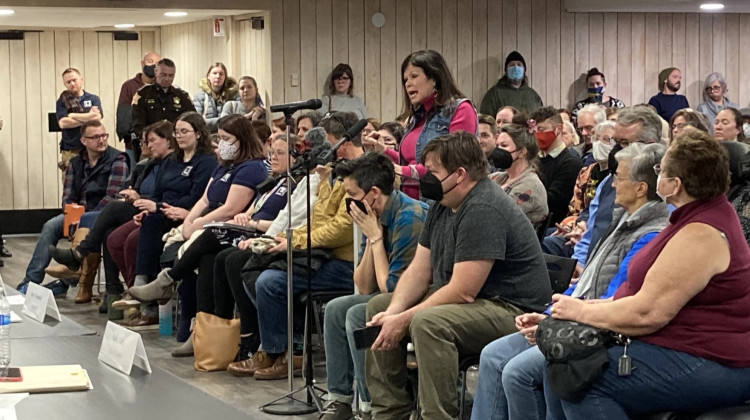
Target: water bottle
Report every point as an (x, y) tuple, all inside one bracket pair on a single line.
[(165, 319), (4, 333)]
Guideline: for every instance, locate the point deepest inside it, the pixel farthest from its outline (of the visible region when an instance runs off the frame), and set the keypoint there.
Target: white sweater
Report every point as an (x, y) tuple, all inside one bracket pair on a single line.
[(299, 209)]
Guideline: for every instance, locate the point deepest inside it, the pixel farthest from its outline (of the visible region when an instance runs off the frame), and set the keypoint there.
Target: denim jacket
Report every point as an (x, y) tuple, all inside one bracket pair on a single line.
[(435, 127)]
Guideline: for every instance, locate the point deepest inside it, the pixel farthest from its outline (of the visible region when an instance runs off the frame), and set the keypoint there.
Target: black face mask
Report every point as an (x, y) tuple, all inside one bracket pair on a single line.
[(612, 162), (431, 187), (150, 71), (501, 159), (357, 203)]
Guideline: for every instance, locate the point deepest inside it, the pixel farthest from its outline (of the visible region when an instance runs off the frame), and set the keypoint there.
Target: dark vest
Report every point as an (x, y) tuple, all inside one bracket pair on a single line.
[(94, 186)]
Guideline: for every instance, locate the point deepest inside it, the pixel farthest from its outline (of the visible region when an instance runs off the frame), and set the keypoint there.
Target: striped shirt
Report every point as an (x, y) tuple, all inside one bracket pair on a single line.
[(402, 221)]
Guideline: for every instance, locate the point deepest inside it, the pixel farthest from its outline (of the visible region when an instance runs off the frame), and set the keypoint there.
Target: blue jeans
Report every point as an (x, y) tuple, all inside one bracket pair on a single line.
[(662, 380), (508, 385), (555, 245), (344, 363), (270, 298), (52, 232)]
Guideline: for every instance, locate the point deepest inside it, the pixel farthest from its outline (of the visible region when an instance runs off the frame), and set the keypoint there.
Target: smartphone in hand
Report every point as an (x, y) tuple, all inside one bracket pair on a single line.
[(364, 337)]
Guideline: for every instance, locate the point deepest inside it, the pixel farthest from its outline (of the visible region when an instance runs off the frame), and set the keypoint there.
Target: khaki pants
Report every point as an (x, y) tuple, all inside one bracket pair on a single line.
[(65, 157), (441, 335)]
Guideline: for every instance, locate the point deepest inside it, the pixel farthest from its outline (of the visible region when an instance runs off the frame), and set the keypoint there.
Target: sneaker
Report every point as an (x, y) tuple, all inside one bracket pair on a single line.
[(160, 289), (336, 410), (142, 322), (125, 302), (59, 288), (23, 287)]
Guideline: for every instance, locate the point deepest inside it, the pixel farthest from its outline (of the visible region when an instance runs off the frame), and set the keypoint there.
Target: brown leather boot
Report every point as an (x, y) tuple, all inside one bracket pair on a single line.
[(88, 274)]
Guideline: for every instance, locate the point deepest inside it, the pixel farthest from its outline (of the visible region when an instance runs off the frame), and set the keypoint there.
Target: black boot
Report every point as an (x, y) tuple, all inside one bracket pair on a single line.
[(66, 257), (248, 346)]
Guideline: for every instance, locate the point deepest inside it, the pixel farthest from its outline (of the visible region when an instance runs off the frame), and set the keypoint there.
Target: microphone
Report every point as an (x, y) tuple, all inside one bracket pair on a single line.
[(292, 107), (353, 132), (501, 159)]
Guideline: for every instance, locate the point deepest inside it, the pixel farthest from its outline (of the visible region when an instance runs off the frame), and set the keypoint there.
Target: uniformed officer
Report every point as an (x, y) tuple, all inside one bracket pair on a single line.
[(158, 101)]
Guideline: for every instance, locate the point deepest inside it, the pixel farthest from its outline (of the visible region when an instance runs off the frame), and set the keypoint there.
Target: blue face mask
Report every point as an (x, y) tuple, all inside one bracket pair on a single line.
[(595, 94), (515, 73)]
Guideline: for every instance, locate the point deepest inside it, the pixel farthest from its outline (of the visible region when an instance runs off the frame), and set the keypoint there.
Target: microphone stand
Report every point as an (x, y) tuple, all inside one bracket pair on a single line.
[(287, 404)]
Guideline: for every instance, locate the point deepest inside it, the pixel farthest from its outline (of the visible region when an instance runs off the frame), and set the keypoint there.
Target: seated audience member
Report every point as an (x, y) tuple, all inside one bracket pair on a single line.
[(249, 104), (521, 180), (714, 98), (588, 118), (216, 89), (506, 115), (339, 96), (387, 137), (307, 122), (487, 135), (686, 354), (684, 118), (739, 189), (331, 232), (611, 114), (92, 180), (511, 368), (136, 197), (390, 225), (565, 115), (559, 168), (570, 137), (477, 266), (211, 297), (372, 125), (596, 87), (728, 126)]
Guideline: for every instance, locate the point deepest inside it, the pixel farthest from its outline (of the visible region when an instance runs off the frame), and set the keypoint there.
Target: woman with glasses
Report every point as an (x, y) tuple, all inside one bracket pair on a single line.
[(684, 118), (714, 98), (338, 96)]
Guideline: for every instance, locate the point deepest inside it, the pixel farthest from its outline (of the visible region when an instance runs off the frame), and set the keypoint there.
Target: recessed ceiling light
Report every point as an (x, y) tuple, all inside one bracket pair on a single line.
[(712, 6), (6, 12), (175, 14), (124, 26)]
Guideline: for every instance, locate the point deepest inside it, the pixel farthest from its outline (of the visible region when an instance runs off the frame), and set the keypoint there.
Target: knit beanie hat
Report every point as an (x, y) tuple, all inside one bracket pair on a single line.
[(664, 75), (515, 56)]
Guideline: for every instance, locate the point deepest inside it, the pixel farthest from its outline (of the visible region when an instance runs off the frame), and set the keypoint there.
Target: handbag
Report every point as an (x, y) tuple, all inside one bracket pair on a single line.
[(215, 341), (577, 355)]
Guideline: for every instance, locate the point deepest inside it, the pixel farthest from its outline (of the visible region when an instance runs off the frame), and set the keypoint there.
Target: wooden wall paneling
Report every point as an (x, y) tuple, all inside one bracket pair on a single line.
[(596, 40), (694, 86), (264, 67), (6, 134), (418, 25), (665, 41), (292, 49), (743, 88), (62, 58), (390, 90), (720, 44), (552, 56), (403, 43), (47, 76), (539, 69), (651, 67), (510, 33), (17, 122), (638, 88), (308, 51), (340, 31), (323, 44), (34, 120), (134, 57), (567, 58), (107, 79), (625, 56), (450, 36), (524, 32), (120, 74), (732, 67), (434, 25), (357, 45), (91, 66), (157, 41), (706, 46), (465, 76), (372, 61), (77, 59), (581, 54), (609, 62), (147, 43), (479, 51), (495, 57), (679, 57), (277, 59)]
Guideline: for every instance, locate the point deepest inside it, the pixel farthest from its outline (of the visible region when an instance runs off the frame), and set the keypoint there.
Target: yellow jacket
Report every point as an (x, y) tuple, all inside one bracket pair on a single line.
[(331, 225)]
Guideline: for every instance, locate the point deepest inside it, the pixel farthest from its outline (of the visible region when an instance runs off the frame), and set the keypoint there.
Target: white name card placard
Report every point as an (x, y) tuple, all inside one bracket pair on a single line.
[(40, 302), (122, 349)]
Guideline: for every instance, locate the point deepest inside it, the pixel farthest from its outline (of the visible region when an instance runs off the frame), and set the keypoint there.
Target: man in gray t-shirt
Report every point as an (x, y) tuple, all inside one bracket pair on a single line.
[(486, 267)]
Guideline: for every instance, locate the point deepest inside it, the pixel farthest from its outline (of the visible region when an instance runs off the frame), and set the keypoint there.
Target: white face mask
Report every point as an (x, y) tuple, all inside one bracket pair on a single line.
[(601, 151), (663, 196), (227, 150), (746, 129)]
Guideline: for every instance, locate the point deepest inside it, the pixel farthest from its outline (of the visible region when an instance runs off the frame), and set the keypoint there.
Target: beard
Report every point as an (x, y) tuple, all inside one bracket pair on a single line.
[(674, 88)]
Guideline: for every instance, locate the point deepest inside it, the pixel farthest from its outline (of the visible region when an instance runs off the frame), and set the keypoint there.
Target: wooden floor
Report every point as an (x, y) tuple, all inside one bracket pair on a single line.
[(245, 394)]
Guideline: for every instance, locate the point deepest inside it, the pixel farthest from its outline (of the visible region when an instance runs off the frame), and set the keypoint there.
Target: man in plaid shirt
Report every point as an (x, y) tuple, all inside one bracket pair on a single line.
[(92, 180)]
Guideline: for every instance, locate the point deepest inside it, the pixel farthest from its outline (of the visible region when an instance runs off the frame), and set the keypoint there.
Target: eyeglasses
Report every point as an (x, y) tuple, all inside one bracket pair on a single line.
[(343, 78), (605, 139), (98, 137), (619, 178), (277, 153), (657, 169), (184, 132), (713, 88)]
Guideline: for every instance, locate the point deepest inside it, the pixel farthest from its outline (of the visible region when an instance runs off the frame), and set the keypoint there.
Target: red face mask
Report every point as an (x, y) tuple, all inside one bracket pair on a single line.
[(545, 138)]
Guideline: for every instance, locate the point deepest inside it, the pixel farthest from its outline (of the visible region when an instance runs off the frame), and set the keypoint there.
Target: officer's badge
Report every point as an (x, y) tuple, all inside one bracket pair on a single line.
[(176, 100)]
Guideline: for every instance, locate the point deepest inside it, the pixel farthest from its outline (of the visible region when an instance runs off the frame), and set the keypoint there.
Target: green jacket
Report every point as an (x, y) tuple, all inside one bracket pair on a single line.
[(524, 98)]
